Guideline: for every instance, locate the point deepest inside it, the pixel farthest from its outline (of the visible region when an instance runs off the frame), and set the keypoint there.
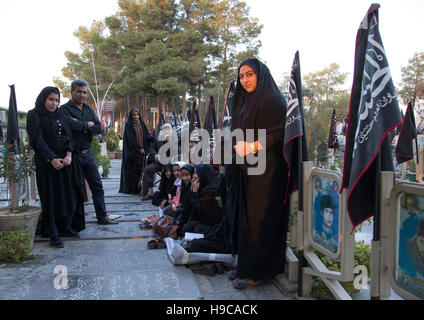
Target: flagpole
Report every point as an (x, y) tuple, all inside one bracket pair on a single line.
[(376, 226), (300, 209), (416, 134)]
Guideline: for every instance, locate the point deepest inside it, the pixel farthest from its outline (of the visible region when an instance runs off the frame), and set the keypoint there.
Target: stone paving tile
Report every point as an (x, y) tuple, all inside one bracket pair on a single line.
[(121, 230), (123, 206), (220, 287), (103, 269)]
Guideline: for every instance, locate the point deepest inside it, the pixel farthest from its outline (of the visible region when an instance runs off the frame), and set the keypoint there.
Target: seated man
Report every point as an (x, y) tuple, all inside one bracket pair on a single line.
[(153, 161)]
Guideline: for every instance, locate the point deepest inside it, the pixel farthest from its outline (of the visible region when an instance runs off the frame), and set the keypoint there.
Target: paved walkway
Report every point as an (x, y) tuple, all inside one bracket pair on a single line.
[(113, 262)]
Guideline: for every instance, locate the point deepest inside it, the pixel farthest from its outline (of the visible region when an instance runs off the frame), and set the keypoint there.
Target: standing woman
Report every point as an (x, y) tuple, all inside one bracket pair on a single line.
[(257, 200), (50, 137), (135, 145)]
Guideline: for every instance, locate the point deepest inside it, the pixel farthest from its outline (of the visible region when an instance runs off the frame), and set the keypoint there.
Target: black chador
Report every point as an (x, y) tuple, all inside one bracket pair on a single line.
[(50, 137), (256, 220), (135, 139)]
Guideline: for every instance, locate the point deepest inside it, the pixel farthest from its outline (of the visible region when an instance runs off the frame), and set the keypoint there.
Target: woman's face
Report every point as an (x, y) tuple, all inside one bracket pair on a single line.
[(52, 102), (177, 172), (185, 176), (248, 78), (135, 115), (168, 174)]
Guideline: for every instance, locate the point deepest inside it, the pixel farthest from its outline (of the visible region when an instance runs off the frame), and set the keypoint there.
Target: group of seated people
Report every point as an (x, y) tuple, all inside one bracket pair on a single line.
[(192, 194)]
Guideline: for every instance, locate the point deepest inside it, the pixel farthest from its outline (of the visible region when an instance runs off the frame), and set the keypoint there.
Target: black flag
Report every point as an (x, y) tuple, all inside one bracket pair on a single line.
[(295, 150), (333, 143), (210, 118), (161, 121), (210, 125), (12, 121), (373, 113), (227, 113), (194, 121), (404, 150)]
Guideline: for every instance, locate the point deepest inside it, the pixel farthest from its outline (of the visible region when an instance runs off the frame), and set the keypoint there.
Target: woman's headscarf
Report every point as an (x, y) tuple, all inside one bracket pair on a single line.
[(138, 127), (189, 167), (180, 164), (254, 101), (207, 176), (40, 103), (165, 182)]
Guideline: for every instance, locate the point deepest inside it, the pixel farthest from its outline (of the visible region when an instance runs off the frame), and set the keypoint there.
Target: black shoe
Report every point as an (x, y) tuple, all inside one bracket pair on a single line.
[(106, 220), (56, 242), (70, 234), (147, 197)]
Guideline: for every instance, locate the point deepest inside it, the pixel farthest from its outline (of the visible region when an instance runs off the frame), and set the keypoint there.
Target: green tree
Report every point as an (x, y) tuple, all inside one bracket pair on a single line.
[(412, 83), (238, 39), (164, 49)]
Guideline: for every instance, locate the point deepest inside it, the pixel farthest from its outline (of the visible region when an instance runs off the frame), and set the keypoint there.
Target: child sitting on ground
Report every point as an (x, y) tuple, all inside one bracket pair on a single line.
[(166, 187)]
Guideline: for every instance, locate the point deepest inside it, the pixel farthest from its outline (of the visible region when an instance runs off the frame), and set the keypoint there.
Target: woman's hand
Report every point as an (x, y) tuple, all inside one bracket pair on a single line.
[(142, 151), (243, 148), (195, 185), (57, 163), (67, 160)]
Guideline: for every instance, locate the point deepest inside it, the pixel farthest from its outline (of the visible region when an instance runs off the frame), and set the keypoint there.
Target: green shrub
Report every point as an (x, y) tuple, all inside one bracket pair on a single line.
[(104, 162), (96, 148), (112, 140), (15, 246), (101, 161), (362, 257)]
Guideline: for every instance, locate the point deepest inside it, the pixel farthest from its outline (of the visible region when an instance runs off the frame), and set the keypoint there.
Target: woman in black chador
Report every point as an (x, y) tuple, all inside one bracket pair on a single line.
[(50, 137), (135, 145), (257, 200)]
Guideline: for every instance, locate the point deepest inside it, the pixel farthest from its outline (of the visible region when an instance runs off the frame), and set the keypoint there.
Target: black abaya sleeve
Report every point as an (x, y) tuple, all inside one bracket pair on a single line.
[(272, 117), (36, 137)]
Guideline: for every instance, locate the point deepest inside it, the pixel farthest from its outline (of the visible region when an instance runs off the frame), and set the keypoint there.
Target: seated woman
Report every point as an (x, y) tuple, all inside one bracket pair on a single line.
[(174, 203), (166, 187), (187, 172), (203, 208)]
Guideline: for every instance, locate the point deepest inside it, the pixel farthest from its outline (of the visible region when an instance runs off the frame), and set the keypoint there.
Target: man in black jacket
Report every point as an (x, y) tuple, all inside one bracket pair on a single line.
[(85, 124)]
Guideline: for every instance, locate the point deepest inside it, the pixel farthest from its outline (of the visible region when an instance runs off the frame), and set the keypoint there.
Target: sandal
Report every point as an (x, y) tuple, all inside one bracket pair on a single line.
[(160, 244), (232, 274), (245, 284), (204, 268), (156, 244), (145, 225), (219, 267), (152, 244)]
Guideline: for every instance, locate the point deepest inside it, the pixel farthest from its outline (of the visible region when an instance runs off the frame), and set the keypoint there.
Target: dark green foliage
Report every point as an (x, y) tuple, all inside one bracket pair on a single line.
[(112, 140), (101, 161), (15, 246), (362, 257), (165, 49)]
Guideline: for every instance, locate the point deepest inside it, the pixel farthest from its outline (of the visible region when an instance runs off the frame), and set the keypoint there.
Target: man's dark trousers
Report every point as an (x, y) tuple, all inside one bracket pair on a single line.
[(91, 174)]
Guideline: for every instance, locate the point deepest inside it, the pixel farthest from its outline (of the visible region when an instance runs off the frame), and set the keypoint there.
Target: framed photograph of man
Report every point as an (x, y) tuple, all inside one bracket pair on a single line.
[(325, 213), (409, 242)]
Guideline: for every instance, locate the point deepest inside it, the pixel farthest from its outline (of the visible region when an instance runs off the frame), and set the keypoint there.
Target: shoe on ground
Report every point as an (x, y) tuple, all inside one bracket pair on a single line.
[(56, 243), (232, 274), (70, 234), (106, 220), (147, 197)]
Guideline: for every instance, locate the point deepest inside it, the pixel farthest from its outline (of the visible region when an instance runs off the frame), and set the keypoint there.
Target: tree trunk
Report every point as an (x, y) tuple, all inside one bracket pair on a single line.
[(199, 102), (184, 106), (163, 106)]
